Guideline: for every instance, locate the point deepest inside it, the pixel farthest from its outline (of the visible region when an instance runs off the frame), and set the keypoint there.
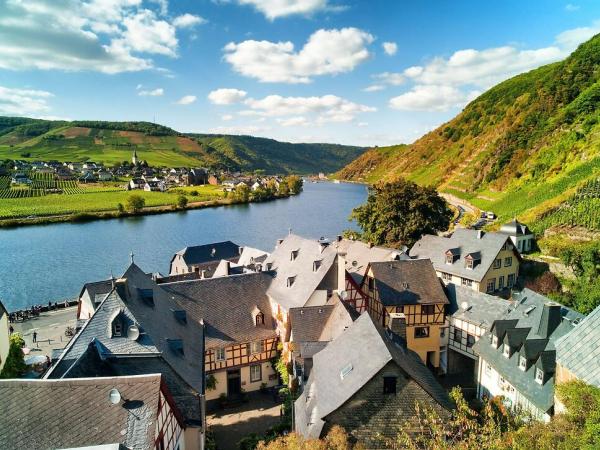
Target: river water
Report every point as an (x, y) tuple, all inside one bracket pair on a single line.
[(51, 262)]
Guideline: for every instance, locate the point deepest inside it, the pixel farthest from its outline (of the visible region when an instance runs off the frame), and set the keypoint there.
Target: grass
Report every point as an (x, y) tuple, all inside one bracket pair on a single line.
[(94, 200)]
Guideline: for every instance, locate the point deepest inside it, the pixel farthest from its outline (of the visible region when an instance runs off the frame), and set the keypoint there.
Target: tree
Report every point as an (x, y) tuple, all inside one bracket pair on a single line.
[(547, 283), (294, 183), (14, 366), (120, 208), (284, 188), (181, 201), (242, 193), (400, 212), (135, 203)]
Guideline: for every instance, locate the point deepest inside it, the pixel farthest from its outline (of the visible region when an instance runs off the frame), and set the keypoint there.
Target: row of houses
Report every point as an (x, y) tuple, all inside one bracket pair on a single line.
[(367, 331)]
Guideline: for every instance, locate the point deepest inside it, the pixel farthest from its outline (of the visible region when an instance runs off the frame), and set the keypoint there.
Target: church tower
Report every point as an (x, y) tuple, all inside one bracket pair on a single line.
[(134, 158)]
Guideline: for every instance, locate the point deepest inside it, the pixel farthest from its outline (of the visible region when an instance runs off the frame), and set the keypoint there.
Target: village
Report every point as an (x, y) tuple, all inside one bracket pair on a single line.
[(337, 331)]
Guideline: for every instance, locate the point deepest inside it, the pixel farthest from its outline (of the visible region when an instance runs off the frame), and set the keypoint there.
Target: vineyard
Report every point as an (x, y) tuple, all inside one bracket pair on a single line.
[(43, 184), (582, 209)]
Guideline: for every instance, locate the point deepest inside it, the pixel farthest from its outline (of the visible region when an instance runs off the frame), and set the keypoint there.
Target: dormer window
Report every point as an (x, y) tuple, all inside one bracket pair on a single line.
[(117, 328), (389, 384), (539, 376), (176, 346), (269, 266), (316, 265), (495, 341), (469, 263), (522, 363), (147, 296), (449, 259), (293, 255), (180, 316), (291, 281), (259, 319), (506, 351)]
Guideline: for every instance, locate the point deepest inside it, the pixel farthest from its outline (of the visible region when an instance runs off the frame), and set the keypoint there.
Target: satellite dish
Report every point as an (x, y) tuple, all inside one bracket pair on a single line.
[(344, 295), (354, 264), (464, 305), (133, 332), (114, 396)]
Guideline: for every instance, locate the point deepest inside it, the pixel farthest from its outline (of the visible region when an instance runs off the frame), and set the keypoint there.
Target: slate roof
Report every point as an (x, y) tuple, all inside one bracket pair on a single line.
[(525, 329), (515, 228), (467, 242), (51, 414), (96, 288), (251, 255), (481, 309), (225, 304), (365, 349), (306, 280), (357, 256), (579, 350), (201, 254), (157, 324), (407, 283)]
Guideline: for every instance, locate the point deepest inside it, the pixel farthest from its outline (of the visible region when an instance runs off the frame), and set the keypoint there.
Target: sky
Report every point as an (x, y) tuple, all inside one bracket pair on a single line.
[(359, 72)]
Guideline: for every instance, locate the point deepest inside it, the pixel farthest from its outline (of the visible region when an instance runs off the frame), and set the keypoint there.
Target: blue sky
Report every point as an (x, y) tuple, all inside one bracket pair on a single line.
[(349, 71)]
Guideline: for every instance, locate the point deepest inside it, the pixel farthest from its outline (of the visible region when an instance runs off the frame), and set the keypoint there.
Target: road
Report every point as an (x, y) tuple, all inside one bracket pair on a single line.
[(50, 328)]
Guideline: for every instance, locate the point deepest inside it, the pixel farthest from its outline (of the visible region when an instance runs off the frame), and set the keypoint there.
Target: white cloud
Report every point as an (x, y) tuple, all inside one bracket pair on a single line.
[(273, 9), (153, 93), (374, 88), (570, 39), (299, 121), (186, 100), (327, 52), (325, 109), (226, 117), (108, 36), (226, 96), (390, 48), (245, 130), (362, 124), (391, 78), (188, 21), (570, 7), (432, 98), (23, 102)]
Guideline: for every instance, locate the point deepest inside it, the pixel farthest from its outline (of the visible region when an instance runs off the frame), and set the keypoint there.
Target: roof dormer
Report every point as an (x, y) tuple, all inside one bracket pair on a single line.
[(258, 317), (452, 255), (290, 281), (294, 254), (472, 260)]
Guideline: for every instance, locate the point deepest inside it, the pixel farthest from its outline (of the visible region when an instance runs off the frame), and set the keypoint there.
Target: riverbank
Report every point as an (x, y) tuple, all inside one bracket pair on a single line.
[(88, 216)]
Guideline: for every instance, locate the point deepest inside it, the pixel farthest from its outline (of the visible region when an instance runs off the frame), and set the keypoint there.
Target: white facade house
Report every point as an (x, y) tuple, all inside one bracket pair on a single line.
[(520, 235)]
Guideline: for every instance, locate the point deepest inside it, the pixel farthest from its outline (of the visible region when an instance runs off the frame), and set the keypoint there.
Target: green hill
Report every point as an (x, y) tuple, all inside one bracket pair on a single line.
[(529, 146), (112, 142)]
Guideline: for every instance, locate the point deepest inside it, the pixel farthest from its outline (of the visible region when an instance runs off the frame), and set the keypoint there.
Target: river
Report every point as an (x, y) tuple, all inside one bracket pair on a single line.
[(51, 262)]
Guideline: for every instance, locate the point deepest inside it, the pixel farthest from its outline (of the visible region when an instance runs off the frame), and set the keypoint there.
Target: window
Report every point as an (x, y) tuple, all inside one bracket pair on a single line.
[(255, 373), (290, 281), (316, 265), (522, 363), (457, 335), (501, 282), (220, 354), (399, 309), (466, 282), (469, 263), (497, 263), (506, 351), (449, 259), (446, 276), (117, 328), (389, 385), (508, 261), (371, 283), (260, 319), (470, 340), (257, 347), (421, 332), (511, 280), (488, 369), (428, 309), (495, 341), (491, 285), (539, 376), (293, 255)]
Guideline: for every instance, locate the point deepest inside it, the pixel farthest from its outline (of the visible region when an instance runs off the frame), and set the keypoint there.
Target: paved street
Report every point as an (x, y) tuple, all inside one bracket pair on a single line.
[(50, 327)]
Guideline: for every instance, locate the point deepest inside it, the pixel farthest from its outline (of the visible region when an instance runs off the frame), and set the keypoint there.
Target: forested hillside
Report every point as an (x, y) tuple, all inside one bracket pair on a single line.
[(529, 146), (113, 142)]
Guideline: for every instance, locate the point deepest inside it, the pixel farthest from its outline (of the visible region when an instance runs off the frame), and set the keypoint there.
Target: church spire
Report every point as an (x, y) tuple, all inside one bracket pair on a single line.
[(134, 158)]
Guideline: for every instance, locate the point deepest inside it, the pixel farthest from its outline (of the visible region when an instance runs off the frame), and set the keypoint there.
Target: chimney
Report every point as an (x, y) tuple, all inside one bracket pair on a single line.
[(550, 320), (397, 324), (122, 288), (228, 267), (240, 250), (480, 234)]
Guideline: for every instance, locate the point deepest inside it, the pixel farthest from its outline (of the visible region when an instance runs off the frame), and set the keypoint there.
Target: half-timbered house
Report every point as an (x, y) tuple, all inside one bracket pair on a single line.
[(410, 291), (240, 337)]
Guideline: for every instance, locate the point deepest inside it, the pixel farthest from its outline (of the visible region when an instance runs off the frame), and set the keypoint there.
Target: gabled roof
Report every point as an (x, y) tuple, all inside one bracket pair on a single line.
[(358, 354), (97, 288), (50, 414), (531, 326), (475, 307), (157, 325), (515, 228), (463, 242), (407, 282), (201, 254), (579, 350), (307, 280), (225, 304)]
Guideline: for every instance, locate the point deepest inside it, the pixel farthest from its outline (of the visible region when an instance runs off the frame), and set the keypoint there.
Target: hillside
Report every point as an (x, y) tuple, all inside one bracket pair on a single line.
[(112, 142), (529, 146)]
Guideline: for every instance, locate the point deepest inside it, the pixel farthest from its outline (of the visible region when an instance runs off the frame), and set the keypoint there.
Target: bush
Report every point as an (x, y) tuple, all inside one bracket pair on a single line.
[(181, 201), (135, 203), (14, 367)]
